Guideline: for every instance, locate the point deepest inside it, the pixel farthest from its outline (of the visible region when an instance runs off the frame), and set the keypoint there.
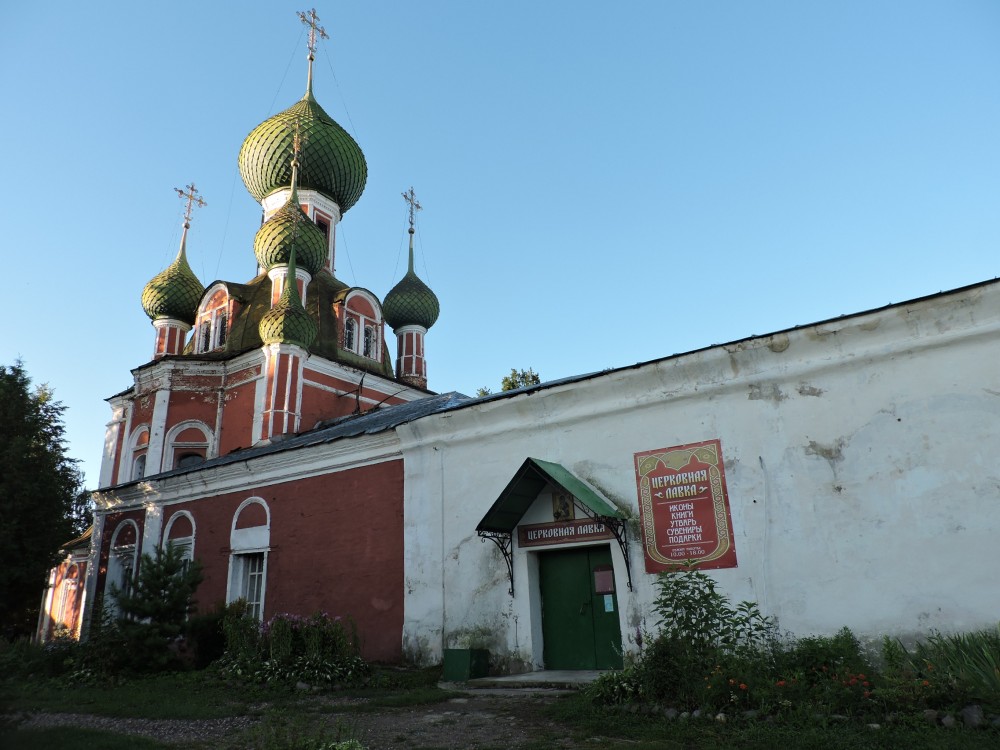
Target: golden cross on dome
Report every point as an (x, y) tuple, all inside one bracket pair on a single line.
[(193, 199), (310, 19), (411, 198)]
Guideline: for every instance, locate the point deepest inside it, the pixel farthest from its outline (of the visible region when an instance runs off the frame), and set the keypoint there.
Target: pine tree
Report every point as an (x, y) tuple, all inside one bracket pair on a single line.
[(152, 614), (42, 503)]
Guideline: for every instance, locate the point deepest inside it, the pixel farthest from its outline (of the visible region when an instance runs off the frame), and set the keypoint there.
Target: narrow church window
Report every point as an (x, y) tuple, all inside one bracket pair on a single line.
[(139, 467), (213, 322), (253, 583), (221, 328), (324, 226), (249, 541), (369, 350), (349, 334)]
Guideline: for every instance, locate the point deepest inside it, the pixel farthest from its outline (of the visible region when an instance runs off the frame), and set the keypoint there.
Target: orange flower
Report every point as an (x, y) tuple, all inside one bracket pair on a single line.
[(780, 683), (732, 681), (865, 683), (926, 683), (743, 686)]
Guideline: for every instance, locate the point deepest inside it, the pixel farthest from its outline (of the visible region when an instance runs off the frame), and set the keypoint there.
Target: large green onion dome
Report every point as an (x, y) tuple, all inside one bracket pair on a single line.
[(288, 322), (332, 162), (411, 301), (175, 292), (290, 226)]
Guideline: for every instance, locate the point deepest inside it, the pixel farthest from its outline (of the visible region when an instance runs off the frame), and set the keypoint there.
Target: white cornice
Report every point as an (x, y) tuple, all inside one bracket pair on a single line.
[(273, 468)]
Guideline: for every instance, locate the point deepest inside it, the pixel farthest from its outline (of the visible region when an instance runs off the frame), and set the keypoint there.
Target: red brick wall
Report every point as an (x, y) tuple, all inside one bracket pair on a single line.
[(336, 546)]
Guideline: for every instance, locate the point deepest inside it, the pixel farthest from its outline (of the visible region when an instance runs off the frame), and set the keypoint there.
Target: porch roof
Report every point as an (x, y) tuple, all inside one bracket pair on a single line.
[(531, 479)]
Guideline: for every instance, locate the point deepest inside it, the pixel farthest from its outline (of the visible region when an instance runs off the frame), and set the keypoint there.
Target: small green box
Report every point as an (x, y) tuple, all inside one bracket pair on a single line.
[(461, 664)]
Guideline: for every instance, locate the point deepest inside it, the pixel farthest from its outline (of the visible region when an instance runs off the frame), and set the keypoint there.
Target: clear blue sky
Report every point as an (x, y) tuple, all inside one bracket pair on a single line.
[(603, 183)]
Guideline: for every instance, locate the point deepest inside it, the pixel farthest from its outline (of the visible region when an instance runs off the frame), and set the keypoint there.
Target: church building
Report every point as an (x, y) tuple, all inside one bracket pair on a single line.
[(840, 473)]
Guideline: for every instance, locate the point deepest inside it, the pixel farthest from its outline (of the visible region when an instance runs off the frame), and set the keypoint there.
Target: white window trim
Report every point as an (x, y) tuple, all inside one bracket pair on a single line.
[(186, 541), (133, 446), (362, 322), (216, 317), (243, 543), (172, 445), (116, 553)]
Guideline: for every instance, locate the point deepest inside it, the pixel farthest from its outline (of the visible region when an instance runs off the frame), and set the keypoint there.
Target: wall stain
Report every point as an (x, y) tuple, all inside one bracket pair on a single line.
[(831, 453), (805, 389), (779, 342), (766, 392)]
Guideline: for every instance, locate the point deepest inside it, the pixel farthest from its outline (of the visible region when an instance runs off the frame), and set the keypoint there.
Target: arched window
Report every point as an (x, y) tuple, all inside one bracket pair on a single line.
[(122, 557), (249, 542), (212, 324), (180, 533), (350, 334), (362, 316), (136, 467), (188, 444)]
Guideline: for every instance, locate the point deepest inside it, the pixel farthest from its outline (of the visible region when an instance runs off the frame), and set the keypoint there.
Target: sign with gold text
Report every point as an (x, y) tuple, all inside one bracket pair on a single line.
[(684, 507), (561, 532)]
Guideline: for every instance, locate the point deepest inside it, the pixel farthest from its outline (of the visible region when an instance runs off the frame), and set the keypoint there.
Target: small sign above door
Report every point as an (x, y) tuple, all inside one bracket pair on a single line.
[(561, 532)]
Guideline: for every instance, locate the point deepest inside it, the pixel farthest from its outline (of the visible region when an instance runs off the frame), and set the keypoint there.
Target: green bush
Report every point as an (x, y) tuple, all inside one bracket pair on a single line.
[(152, 615), (205, 637), (944, 671), (319, 650), (706, 649)]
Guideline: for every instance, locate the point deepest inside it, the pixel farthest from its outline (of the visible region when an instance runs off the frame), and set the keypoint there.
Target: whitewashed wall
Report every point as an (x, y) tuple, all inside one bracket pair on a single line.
[(861, 456)]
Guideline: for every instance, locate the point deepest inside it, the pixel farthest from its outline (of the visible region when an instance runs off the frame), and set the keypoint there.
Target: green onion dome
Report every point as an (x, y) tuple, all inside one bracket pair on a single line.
[(288, 322), (175, 292), (287, 226), (411, 301), (332, 162)]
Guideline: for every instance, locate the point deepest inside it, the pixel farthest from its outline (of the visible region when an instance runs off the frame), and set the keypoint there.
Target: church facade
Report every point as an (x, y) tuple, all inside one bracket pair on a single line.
[(839, 473)]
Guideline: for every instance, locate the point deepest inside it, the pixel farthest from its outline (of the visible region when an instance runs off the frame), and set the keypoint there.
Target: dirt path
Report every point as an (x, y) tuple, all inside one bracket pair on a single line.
[(503, 720)]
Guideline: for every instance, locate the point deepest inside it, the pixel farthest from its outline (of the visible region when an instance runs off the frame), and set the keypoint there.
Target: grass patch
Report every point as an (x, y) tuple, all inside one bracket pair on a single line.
[(169, 696), (618, 730), (71, 738)]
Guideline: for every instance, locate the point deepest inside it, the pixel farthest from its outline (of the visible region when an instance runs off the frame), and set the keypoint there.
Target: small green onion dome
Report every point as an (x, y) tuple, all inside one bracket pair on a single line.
[(411, 302), (287, 226), (332, 162), (288, 322), (175, 292)]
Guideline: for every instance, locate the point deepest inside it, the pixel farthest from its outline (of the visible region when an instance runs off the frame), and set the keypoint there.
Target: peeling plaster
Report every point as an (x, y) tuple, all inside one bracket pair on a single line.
[(766, 392), (779, 343), (831, 453)]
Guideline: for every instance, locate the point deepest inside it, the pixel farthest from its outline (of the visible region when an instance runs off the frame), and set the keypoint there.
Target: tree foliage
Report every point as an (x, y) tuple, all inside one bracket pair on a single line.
[(152, 613), (42, 502), (516, 379)]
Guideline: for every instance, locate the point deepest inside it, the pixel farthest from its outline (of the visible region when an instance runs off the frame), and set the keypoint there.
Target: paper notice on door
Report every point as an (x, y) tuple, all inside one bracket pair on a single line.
[(609, 603)]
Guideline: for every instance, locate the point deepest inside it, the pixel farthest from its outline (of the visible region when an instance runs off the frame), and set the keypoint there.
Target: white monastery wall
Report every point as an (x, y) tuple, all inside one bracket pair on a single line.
[(860, 456)]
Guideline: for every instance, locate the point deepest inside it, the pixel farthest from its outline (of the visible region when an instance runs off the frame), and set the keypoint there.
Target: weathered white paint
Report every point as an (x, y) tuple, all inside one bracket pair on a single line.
[(859, 455)]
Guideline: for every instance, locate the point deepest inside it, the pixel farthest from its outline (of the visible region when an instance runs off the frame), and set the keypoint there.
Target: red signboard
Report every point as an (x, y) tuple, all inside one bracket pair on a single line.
[(561, 532), (684, 507)]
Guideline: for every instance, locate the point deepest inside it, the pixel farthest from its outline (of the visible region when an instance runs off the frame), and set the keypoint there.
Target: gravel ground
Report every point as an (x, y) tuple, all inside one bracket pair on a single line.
[(499, 719)]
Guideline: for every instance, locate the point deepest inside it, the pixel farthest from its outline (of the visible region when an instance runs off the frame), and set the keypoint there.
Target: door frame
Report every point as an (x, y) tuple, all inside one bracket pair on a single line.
[(528, 599)]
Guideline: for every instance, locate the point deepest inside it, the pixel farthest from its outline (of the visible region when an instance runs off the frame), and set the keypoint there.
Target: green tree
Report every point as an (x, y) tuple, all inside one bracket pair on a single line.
[(516, 379), (153, 612), (42, 502)]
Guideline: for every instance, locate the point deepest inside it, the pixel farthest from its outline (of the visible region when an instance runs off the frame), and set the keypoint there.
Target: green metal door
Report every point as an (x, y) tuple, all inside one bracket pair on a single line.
[(579, 610)]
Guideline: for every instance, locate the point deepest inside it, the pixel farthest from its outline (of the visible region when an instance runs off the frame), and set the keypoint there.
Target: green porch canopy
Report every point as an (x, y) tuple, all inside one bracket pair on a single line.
[(522, 490)]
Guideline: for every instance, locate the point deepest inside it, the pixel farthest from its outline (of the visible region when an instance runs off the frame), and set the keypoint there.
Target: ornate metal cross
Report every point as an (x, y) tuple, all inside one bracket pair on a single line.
[(193, 199), (411, 198), (310, 19)]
